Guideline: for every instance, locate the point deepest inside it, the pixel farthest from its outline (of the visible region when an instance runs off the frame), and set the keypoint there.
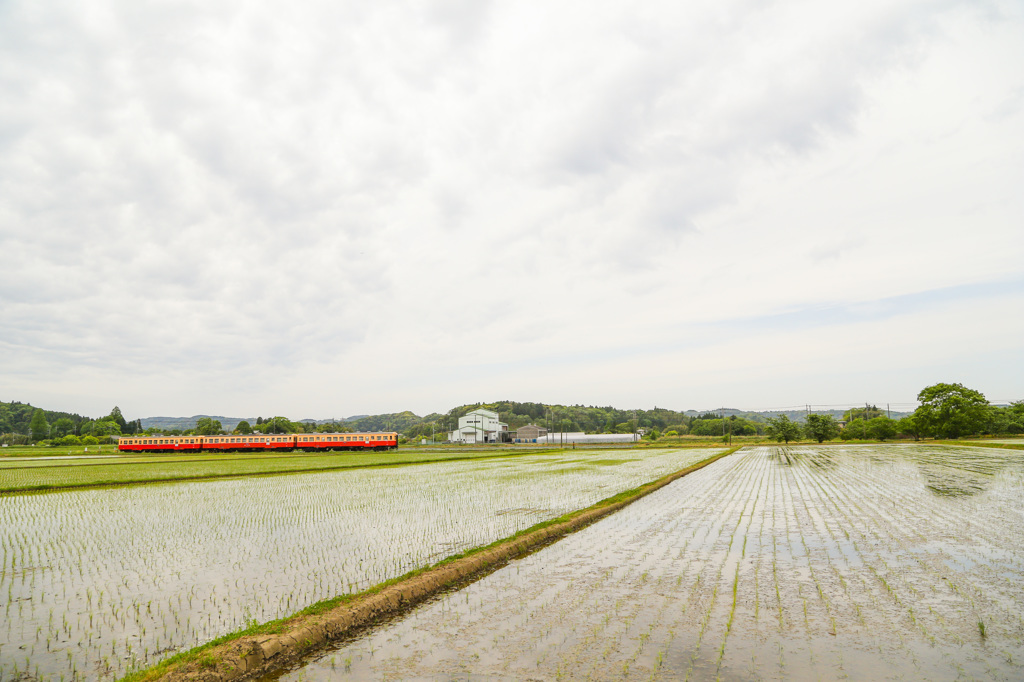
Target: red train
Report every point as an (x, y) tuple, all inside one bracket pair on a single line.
[(256, 442)]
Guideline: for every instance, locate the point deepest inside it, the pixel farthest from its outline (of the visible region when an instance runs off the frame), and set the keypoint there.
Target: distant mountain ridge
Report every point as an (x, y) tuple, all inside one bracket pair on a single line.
[(402, 421), (227, 423)]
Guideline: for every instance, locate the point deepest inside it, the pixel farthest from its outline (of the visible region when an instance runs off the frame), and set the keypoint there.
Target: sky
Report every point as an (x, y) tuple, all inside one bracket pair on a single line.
[(323, 209)]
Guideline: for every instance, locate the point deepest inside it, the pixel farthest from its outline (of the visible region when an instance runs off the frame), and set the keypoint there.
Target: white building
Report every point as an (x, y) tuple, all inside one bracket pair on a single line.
[(479, 426), (581, 438)]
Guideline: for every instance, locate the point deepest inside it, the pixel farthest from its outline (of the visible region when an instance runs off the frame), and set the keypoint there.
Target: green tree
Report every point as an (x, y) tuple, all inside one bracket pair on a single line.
[(782, 429), (205, 426), (116, 416), (280, 425), (38, 426), (882, 428), (243, 427), (952, 410), (821, 427), (1009, 419), (90, 440), (102, 428), (62, 427), (911, 425)]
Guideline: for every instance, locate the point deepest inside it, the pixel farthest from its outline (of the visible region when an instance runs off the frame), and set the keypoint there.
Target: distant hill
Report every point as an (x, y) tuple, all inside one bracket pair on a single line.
[(794, 415), (227, 423), (183, 423)]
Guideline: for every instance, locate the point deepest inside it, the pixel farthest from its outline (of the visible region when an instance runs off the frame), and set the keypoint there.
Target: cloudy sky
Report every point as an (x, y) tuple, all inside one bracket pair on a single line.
[(321, 209)]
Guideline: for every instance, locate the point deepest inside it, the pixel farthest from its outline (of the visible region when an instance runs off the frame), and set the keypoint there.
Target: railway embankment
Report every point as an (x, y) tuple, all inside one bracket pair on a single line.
[(264, 648)]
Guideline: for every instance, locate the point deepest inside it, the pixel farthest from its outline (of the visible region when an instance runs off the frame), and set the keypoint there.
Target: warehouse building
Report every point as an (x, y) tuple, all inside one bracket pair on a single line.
[(530, 433), (480, 426)]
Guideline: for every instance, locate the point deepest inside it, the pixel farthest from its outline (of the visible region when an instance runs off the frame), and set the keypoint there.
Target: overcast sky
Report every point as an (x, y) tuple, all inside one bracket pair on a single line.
[(320, 209)]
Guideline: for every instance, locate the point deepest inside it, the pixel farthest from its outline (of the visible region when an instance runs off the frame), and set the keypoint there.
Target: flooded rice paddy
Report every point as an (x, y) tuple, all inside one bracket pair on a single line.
[(866, 562), (94, 583)]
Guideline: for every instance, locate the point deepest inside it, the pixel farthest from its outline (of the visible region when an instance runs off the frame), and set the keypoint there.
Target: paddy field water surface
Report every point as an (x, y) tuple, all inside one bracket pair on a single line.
[(96, 582), (866, 562)]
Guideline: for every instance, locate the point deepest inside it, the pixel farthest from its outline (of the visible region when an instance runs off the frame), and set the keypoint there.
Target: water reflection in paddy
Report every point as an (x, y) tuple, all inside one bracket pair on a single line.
[(774, 563)]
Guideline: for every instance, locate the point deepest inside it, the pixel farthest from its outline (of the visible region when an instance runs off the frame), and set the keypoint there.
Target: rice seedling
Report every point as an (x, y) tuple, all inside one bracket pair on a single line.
[(155, 569), (848, 543)]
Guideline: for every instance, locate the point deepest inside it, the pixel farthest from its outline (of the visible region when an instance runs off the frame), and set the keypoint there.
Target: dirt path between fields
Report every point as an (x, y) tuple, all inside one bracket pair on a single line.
[(251, 656)]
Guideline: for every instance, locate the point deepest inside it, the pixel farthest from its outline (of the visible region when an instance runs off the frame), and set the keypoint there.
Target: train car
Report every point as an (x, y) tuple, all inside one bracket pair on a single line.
[(253, 442), (316, 442), (162, 444), (256, 442)]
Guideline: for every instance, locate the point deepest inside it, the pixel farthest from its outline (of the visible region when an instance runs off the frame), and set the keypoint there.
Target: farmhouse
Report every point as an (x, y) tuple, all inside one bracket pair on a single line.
[(480, 426)]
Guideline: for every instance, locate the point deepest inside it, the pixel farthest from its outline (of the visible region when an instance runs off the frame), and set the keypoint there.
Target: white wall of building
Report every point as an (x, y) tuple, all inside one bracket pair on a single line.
[(478, 426), (577, 437)]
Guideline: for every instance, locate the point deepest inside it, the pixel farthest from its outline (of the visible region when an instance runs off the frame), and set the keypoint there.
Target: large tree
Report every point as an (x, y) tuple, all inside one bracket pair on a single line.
[(952, 410), (205, 426), (912, 425), (116, 416), (40, 429), (821, 427), (782, 429), (280, 425), (62, 427), (882, 428)]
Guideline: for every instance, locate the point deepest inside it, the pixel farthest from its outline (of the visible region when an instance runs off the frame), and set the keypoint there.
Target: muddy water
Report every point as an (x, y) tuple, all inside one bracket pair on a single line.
[(866, 562)]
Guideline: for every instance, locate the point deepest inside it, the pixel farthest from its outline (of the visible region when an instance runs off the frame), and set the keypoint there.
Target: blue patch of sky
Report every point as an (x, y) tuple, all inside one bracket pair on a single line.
[(698, 336), (878, 309)]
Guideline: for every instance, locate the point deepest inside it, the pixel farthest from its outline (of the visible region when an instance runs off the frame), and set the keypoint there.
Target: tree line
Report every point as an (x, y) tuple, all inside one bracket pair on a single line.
[(947, 411), (21, 424)]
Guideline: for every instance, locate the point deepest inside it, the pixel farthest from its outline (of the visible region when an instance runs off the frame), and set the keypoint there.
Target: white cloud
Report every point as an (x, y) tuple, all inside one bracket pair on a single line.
[(350, 208)]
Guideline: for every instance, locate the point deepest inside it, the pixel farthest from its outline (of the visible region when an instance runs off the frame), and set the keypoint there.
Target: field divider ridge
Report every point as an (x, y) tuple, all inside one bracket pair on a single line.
[(263, 648)]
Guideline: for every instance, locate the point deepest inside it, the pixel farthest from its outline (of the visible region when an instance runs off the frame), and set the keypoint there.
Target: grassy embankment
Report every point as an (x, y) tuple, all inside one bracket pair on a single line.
[(235, 654), (984, 443)]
